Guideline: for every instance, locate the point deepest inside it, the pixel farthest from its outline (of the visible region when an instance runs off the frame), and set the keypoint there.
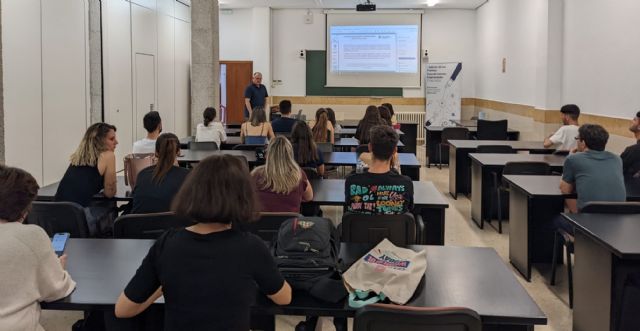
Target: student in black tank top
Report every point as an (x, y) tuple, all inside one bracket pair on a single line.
[(258, 118), (92, 169)]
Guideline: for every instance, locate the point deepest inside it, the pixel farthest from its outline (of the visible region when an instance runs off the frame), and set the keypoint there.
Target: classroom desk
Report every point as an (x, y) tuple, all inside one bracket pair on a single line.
[(409, 164), (465, 123), (456, 276), (427, 200), (433, 136), (227, 145), (351, 132), (460, 164), (342, 143), (534, 201), (190, 156), (349, 123), (607, 254), (339, 144), (482, 165), (123, 192)]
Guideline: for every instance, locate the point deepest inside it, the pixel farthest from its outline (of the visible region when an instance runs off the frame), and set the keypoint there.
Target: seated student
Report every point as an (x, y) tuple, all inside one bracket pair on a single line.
[(564, 138), (323, 129), (158, 184), (153, 125), (209, 273), (593, 173), (394, 122), (210, 130), (31, 272), (92, 169), (371, 118), (380, 190), (282, 186), (285, 122), (305, 151), (631, 155), (257, 130), (332, 118), (385, 114)]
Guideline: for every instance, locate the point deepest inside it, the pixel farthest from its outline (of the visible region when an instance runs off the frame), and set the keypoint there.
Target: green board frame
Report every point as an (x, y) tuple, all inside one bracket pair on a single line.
[(317, 79)]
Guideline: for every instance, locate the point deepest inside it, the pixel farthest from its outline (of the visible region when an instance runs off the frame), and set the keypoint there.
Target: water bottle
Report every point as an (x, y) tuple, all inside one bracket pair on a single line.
[(360, 166)]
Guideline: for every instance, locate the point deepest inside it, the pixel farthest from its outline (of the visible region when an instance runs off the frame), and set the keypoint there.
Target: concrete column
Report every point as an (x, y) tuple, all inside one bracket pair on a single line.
[(1, 96), (95, 61), (205, 58)]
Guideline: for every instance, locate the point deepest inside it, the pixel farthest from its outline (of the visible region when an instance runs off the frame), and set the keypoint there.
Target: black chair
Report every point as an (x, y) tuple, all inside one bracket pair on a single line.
[(247, 147), (600, 207), (312, 173), (492, 130), (202, 146), (450, 133), (146, 226), (362, 149), (383, 317), (495, 149), (269, 223), (402, 230), (501, 187), (55, 217)]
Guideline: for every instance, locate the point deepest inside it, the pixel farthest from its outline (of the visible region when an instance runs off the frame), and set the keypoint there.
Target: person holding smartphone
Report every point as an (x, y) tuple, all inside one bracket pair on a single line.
[(31, 271)]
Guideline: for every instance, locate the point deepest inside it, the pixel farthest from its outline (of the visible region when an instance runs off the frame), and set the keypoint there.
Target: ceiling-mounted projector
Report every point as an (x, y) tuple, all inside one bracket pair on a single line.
[(367, 6)]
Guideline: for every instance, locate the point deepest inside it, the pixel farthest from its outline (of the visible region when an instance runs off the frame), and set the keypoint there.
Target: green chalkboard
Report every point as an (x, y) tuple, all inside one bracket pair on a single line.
[(317, 79)]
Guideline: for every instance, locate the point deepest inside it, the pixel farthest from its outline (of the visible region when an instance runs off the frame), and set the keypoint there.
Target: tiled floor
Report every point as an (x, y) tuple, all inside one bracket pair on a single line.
[(460, 231)]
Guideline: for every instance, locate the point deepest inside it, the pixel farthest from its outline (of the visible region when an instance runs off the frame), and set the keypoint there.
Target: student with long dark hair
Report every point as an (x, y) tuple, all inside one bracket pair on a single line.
[(385, 114), (393, 114), (305, 151), (257, 129), (209, 273), (332, 118), (158, 184), (323, 129), (371, 118), (210, 130)]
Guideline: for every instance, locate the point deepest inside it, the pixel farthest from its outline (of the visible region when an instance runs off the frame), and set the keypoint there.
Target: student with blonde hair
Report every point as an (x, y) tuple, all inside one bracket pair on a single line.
[(281, 184), (257, 130), (323, 129), (92, 169)]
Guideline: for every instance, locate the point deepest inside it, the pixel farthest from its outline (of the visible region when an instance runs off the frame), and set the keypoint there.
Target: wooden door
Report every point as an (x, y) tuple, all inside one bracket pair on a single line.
[(238, 78)]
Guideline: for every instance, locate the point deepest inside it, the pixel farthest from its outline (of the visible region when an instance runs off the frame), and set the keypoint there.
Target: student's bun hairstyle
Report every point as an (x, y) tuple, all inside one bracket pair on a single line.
[(18, 189), (218, 190)]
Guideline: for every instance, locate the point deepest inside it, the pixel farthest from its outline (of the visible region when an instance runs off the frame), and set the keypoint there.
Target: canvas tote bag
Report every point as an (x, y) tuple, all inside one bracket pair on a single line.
[(386, 271)]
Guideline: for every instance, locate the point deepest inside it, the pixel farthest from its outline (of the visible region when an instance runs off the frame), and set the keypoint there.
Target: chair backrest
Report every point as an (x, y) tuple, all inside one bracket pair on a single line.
[(134, 163), (300, 116), (269, 223), (492, 130), (379, 317), (361, 228), (362, 149), (255, 140), (454, 133), (203, 146), (495, 149), (325, 147), (604, 207), (247, 147), (146, 226), (561, 153), (527, 168), (55, 217), (312, 173)]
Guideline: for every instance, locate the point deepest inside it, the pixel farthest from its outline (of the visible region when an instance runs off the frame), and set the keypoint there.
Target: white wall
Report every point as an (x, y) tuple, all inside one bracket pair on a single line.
[(448, 34), (601, 57), (46, 98), (157, 31)]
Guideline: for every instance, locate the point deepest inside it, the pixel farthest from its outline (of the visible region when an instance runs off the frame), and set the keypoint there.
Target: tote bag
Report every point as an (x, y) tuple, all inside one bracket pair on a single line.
[(386, 271)]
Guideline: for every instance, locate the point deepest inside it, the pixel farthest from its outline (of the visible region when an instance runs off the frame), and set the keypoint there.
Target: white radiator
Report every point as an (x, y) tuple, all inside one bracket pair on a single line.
[(413, 117)]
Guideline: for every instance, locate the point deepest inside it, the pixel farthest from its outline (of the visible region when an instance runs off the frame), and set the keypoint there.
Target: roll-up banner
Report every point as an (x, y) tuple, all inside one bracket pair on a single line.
[(442, 83)]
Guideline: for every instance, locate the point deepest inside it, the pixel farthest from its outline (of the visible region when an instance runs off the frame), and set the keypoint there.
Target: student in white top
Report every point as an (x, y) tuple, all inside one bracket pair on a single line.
[(565, 138), (210, 130), (153, 125)]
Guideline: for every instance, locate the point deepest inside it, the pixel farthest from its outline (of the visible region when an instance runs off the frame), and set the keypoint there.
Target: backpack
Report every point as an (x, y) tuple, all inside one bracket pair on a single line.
[(306, 252)]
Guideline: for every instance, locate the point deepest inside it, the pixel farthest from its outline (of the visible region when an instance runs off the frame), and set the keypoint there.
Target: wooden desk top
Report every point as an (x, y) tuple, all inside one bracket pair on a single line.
[(549, 186), (485, 159), (352, 131), (331, 192), (515, 144), (456, 276), (191, 156), (465, 123), (471, 129), (353, 142), (618, 233), (349, 158)]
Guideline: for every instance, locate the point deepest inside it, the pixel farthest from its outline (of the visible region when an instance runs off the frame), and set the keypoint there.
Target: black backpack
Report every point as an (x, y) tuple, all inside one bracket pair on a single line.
[(306, 251)]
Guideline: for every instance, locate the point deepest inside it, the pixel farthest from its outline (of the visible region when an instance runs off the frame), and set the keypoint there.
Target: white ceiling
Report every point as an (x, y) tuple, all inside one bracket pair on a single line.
[(348, 4)]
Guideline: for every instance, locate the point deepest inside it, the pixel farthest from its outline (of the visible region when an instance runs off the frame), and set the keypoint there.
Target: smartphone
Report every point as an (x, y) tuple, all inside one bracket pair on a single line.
[(59, 241)]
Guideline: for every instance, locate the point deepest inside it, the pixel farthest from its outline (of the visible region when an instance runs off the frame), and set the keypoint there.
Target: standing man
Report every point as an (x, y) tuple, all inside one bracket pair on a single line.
[(564, 138), (255, 95), (631, 155)]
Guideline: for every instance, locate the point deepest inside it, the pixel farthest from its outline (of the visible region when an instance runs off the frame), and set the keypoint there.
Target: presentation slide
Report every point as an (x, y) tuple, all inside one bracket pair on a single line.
[(374, 48)]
